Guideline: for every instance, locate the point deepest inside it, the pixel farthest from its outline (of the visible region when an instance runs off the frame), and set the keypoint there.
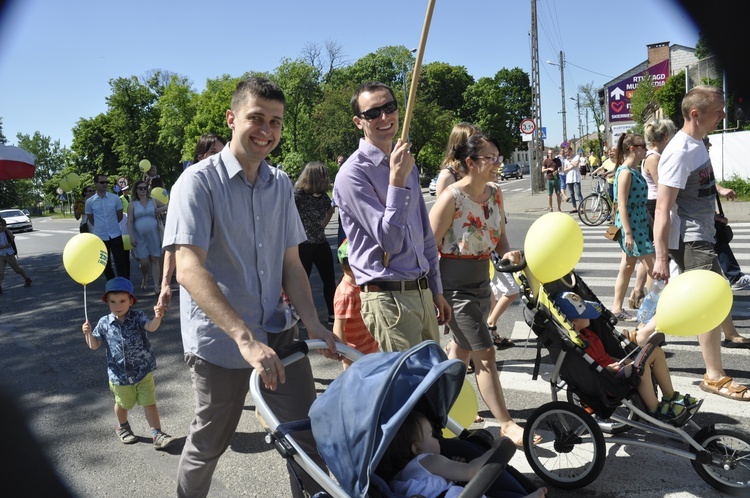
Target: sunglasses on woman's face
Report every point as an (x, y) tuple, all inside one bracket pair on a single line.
[(375, 112)]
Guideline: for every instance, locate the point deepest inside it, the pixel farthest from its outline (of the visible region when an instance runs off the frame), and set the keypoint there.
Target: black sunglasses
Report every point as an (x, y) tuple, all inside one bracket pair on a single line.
[(104, 182), (141, 188), (375, 112)]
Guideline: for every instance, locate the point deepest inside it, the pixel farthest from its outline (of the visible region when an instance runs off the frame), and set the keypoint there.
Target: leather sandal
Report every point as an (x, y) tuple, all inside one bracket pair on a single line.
[(716, 386)]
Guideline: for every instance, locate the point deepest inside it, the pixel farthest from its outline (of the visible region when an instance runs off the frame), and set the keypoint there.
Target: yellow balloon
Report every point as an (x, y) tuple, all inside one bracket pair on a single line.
[(553, 246), (126, 242), (160, 195), (144, 165), (64, 185), (85, 257), (492, 270), (464, 410), (73, 180), (693, 303)]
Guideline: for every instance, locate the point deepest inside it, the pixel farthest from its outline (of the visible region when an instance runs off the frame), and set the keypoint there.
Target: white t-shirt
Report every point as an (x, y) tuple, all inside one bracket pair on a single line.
[(686, 165), (574, 175)]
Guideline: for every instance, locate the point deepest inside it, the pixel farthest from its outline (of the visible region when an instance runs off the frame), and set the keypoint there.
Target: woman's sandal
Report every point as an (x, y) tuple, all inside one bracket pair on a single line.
[(737, 342), (497, 340), (725, 382)]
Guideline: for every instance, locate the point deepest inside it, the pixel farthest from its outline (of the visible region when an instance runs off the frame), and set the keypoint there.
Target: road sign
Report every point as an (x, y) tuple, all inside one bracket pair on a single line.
[(565, 145), (528, 126), (543, 133)]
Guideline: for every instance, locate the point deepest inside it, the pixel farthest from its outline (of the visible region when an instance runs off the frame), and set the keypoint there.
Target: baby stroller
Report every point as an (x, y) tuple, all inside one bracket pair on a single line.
[(572, 452), (358, 415)]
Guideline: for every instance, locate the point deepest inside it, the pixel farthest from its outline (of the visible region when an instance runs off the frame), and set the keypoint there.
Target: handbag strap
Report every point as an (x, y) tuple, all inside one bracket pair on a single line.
[(718, 203)]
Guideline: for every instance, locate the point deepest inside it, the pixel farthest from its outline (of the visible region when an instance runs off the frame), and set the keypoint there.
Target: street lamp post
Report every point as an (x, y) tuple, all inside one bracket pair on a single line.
[(577, 100), (561, 65)]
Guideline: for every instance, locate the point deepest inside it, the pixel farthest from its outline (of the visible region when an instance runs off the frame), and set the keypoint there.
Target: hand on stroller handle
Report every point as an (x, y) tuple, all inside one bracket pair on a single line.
[(506, 266)]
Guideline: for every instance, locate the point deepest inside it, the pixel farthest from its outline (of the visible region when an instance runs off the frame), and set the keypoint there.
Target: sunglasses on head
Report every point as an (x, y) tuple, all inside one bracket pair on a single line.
[(375, 112)]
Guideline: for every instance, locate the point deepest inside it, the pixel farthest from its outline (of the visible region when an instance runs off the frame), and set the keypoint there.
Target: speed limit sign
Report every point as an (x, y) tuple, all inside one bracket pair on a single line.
[(528, 126)]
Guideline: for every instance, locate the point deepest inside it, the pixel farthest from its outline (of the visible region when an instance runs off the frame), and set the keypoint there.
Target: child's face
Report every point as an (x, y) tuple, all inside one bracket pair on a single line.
[(428, 443), (119, 303), (580, 323)]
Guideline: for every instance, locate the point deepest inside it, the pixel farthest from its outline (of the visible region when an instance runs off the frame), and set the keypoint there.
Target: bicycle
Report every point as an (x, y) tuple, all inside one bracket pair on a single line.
[(596, 208)]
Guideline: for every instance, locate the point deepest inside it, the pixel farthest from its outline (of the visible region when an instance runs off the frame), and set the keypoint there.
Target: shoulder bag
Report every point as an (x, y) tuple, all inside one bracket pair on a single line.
[(724, 234), (613, 233)]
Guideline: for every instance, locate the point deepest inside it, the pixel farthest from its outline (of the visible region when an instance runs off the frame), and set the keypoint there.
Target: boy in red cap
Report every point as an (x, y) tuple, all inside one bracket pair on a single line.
[(130, 360)]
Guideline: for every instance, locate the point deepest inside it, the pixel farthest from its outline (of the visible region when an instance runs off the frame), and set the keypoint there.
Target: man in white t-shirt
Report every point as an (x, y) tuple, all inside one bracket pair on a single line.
[(686, 178), (571, 166)]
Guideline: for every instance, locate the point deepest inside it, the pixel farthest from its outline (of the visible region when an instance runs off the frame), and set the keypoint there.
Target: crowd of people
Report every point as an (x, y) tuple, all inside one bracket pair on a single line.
[(242, 239)]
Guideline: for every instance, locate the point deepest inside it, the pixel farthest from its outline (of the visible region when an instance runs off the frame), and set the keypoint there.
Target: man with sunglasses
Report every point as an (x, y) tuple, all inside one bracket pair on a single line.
[(392, 250), (104, 212)]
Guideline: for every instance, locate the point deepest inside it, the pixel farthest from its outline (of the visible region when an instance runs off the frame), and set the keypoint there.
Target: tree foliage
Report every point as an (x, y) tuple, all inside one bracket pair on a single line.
[(51, 157), (643, 103), (670, 97), (590, 100)]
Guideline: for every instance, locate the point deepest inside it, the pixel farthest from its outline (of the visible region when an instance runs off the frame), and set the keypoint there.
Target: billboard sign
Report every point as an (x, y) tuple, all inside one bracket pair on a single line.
[(620, 93)]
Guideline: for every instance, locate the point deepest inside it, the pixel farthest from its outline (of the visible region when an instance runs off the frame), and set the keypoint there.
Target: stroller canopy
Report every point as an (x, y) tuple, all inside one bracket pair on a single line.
[(356, 418)]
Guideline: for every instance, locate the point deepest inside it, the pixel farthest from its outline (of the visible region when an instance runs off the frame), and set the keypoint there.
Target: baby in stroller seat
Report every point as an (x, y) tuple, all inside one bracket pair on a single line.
[(414, 465), (674, 408)]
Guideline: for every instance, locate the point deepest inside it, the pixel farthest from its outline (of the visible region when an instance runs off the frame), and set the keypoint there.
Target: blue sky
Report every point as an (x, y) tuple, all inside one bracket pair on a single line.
[(56, 57)]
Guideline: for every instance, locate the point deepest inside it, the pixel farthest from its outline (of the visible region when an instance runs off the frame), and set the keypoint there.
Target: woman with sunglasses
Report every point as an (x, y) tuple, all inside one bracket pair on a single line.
[(631, 216), (144, 232), (468, 221)]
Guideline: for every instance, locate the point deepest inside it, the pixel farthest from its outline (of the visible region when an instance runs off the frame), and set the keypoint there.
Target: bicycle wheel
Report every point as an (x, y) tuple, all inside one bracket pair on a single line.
[(571, 453), (593, 210), (729, 468)]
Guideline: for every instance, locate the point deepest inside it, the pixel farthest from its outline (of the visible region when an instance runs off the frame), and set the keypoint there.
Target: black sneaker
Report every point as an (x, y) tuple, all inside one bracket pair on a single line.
[(126, 435), (162, 440)]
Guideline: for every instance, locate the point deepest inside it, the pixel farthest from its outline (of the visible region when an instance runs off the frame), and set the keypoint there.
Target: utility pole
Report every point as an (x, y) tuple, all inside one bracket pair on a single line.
[(562, 89), (536, 145), (578, 107)]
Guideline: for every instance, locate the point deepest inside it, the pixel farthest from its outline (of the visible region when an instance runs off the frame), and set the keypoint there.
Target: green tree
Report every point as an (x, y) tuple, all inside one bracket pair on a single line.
[(50, 159), (643, 103), (670, 97), (93, 144), (702, 49), (334, 132), (590, 100), (3, 140), (299, 80), (444, 84), (176, 108), (430, 127), (210, 116)]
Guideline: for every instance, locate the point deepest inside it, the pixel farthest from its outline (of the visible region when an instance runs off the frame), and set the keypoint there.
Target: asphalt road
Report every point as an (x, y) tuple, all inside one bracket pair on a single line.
[(63, 387)]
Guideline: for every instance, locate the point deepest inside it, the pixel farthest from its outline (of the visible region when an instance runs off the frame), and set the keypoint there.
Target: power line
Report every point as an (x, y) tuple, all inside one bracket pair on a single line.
[(589, 70)]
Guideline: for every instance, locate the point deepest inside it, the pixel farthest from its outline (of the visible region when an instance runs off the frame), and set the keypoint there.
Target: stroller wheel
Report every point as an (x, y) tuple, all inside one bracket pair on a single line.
[(572, 452), (607, 425), (729, 450)]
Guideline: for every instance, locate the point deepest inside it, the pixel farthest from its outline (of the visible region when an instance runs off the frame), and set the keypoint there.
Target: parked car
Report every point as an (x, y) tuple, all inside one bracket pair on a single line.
[(433, 185), (17, 221), (512, 170)]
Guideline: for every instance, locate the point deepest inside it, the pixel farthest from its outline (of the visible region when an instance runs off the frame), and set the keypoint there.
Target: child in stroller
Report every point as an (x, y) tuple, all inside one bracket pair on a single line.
[(413, 465), (674, 408)]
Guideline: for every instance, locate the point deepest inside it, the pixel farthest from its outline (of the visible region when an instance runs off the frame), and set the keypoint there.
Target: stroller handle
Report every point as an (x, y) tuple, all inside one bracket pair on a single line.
[(505, 266)]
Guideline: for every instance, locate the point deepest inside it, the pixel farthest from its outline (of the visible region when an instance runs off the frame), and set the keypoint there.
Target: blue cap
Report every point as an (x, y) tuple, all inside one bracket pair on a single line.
[(573, 306), (119, 284)]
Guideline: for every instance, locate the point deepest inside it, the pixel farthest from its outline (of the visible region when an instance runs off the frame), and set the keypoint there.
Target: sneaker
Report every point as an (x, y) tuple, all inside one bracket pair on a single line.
[(125, 433), (742, 283), (162, 440), (624, 316)]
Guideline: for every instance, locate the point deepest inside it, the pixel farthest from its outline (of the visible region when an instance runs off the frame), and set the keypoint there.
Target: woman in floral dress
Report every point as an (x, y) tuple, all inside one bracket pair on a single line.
[(468, 221)]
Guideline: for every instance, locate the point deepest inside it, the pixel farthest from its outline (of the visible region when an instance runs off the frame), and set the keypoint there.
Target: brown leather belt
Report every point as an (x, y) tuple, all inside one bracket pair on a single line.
[(395, 285)]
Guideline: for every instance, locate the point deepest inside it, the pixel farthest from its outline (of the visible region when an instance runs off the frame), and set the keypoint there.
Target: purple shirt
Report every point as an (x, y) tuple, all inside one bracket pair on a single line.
[(378, 217)]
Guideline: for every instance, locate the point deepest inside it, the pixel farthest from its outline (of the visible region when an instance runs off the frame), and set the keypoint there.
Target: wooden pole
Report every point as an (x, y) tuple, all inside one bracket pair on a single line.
[(415, 73)]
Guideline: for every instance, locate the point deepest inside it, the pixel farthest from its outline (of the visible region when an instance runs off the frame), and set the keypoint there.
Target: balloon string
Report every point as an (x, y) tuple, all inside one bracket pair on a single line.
[(85, 309)]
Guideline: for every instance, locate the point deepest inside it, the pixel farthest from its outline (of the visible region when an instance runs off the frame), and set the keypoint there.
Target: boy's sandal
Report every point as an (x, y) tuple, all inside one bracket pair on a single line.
[(672, 413), (725, 382), (686, 400)]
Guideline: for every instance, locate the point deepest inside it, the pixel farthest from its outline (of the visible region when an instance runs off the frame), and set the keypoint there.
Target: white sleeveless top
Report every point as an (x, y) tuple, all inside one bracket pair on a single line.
[(652, 186)]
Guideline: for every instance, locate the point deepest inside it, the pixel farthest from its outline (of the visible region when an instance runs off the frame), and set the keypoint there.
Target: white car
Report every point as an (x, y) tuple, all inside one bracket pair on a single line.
[(17, 220), (433, 185)]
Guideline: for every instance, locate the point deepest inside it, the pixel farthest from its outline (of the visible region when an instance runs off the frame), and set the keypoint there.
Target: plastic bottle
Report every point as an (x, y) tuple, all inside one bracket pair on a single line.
[(648, 306)]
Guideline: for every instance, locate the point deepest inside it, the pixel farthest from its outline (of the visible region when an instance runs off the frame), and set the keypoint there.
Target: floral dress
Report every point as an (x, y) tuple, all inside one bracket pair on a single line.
[(637, 213), (464, 266)]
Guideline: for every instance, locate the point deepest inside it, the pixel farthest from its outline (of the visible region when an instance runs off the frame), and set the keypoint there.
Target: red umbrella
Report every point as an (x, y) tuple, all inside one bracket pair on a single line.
[(15, 163)]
